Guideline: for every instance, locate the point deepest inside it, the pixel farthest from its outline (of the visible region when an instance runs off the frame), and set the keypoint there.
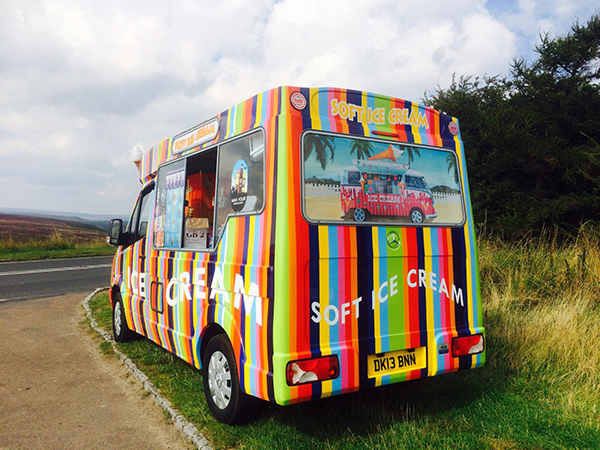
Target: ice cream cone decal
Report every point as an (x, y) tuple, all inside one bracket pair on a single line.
[(389, 153)]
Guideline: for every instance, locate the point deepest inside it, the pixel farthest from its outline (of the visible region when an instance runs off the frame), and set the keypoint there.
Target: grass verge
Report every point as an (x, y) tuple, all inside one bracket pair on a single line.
[(51, 248), (539, 389)]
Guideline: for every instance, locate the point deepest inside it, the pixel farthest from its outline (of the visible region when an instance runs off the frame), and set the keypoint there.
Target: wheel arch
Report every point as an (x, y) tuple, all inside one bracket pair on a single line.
[(114, 292), (210, 331)]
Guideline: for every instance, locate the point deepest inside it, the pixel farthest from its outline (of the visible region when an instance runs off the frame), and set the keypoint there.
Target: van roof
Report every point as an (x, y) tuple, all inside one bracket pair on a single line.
[(370, 113)]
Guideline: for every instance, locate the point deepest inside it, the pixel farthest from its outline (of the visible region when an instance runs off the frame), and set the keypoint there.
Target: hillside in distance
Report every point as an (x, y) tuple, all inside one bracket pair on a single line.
[(23, 228), (99, 221)]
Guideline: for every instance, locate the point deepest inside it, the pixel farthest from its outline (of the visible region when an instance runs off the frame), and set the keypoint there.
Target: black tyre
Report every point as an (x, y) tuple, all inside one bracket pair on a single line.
[(416, 216), (121, 331), (222, 388)]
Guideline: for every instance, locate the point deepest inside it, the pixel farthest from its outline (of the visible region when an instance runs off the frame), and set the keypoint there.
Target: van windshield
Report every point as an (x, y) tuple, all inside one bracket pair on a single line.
[(350, 179)]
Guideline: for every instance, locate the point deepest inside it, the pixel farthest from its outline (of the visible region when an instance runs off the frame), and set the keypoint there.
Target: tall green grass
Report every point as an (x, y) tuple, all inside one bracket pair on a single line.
[(54, 246), (540, 387), (542, 313)]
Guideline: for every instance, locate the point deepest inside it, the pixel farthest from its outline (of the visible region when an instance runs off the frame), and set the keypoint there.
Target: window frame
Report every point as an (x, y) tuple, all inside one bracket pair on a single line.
[(371, 223), (184, 157), (146, 194), (264, 179)]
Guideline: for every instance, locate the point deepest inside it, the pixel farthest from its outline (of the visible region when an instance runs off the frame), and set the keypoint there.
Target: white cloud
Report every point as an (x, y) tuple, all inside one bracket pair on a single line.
[(83, 82)]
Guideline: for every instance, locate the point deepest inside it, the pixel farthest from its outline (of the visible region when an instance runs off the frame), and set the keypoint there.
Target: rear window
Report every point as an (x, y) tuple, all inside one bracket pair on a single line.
[(350, 179)]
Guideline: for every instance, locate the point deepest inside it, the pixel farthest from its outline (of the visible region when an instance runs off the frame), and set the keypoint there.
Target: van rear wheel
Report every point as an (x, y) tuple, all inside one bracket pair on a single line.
[(222, 389)]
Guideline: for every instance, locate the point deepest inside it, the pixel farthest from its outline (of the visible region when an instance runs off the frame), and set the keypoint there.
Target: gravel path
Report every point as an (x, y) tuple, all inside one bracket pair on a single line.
[(58, 392)]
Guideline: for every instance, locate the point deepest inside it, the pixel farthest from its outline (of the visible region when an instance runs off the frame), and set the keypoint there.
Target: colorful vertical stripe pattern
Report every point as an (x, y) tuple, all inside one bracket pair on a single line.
[(368, 297), (177, 322), (352, 295), (153, 158)]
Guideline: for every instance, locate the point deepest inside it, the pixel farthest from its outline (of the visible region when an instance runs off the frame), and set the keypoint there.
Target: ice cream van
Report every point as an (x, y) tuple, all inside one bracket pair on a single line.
[(247, 256)]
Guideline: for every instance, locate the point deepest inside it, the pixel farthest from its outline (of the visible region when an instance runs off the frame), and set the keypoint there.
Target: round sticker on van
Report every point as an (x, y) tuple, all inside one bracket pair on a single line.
[(453, 128), (239, 185), (298, 100)]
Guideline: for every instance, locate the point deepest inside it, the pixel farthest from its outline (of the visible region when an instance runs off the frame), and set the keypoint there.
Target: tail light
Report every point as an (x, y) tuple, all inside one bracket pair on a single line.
[(310, 370), (467, 345)]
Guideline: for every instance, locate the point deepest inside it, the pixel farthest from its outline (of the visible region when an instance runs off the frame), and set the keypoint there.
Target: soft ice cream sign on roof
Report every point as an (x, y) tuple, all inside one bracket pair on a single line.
[(205, 132), (377, 116)]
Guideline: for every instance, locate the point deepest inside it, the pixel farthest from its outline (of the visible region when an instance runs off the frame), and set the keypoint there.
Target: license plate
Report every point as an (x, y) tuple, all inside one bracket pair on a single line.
[(396, 362)]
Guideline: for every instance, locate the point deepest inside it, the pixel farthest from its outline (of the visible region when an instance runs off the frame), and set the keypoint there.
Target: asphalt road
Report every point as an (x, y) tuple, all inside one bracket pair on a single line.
[(48, 278)]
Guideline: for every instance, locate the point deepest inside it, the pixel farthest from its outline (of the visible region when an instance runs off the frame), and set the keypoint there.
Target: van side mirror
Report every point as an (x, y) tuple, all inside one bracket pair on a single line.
[(115, 232)]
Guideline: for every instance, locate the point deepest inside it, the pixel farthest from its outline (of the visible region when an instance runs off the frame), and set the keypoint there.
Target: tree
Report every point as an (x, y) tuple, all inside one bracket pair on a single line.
[(485, 117), (532, 139)]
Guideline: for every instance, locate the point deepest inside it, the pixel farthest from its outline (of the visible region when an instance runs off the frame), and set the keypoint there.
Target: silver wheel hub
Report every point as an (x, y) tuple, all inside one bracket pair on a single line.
[(219, 379)]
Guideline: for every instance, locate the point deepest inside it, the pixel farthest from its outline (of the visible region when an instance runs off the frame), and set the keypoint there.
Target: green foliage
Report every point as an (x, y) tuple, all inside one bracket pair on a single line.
[(101, 310), (532, 140)]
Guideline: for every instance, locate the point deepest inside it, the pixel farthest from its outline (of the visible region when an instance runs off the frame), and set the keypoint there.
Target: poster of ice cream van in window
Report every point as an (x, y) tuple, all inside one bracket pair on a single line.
[(362, 180)]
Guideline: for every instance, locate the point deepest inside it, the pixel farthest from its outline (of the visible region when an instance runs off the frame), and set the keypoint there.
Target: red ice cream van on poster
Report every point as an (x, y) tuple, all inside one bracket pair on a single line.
[(382, 186)]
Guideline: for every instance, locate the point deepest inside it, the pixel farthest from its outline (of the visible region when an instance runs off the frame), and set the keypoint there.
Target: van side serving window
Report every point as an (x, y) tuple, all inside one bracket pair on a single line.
[(352, 179), (196, 194), (241, 178)]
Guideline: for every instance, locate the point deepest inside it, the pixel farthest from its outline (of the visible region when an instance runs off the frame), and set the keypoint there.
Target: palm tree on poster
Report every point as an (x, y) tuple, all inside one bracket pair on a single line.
[(451, 161), (411, 152), (324, 147), (363, 149)]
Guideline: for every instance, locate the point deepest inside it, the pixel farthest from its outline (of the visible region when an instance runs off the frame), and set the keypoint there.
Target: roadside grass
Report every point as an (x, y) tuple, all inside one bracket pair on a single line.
[(540, 387), (55, 246)]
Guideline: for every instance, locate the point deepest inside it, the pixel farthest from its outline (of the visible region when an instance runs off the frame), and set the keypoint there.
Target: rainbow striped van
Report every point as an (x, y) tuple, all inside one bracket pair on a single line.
[(305, 243)]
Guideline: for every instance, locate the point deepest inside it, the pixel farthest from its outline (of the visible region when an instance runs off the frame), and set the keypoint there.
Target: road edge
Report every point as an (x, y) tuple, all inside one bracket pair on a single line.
[(184, 426)]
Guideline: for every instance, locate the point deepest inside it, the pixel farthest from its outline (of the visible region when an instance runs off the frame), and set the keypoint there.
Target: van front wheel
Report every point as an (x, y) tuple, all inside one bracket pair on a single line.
[(222, 388), (121, 331)]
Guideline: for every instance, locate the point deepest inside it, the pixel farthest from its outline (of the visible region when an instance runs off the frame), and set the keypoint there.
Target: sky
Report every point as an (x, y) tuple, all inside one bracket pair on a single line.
[(82, 83)]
